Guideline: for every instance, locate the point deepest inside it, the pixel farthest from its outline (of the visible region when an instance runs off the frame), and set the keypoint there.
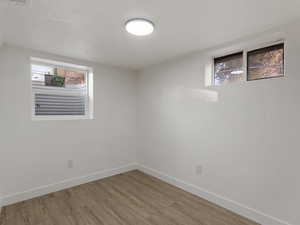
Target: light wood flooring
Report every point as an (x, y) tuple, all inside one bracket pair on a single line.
[(131, 198)]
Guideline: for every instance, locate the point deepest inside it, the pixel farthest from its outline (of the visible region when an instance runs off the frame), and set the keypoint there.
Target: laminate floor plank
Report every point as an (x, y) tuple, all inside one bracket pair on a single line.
[(191, 201), (131, 198)]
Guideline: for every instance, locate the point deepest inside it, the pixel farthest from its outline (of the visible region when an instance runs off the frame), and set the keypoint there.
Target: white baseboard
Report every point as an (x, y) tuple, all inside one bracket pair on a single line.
[(46, 189), (229, 204)]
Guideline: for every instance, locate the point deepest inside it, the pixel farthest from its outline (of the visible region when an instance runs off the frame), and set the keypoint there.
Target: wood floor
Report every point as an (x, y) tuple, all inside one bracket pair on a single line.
[(132, 198)]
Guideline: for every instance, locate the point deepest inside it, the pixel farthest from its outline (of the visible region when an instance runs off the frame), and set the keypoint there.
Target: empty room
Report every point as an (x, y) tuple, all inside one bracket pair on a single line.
[(160, 112)]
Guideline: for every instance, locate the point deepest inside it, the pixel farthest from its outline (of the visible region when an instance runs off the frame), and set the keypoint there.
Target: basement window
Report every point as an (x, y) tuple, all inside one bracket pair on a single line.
[(266, 62), (262, 63), (60, 90), (228, 69)]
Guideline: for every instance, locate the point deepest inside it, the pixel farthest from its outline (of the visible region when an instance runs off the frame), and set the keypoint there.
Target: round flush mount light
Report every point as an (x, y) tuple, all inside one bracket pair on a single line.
[(139, 27)]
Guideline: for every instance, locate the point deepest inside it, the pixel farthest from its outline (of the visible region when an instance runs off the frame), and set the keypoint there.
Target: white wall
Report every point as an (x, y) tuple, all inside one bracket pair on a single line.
[(35, 153), (245, 136)]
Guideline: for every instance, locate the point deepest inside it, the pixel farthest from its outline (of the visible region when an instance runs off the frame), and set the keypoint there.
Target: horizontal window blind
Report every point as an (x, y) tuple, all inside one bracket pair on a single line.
[(68, 96), (52, 104)]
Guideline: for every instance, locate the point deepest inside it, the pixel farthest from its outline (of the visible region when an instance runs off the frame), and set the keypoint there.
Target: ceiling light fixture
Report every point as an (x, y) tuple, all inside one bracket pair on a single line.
[(139, 27)]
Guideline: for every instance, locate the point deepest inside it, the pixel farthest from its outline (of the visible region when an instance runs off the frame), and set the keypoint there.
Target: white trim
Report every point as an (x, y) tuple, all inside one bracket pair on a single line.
[(65, 65), (245, 63), (90, 93), (222, 201), (60, 117), (50, 188), (227, 203), (265, 44)]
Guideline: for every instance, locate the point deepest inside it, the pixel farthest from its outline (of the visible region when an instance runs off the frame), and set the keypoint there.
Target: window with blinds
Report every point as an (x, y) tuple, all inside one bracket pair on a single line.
[(59, 90)]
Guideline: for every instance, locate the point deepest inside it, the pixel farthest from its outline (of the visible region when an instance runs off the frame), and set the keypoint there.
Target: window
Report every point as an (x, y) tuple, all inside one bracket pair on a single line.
[(60, 90), (262, 63), (228, 69), (266, 62)]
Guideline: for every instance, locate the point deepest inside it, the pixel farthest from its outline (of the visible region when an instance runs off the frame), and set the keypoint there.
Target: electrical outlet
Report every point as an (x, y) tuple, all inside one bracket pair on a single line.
[(199, 170), (70, 164)]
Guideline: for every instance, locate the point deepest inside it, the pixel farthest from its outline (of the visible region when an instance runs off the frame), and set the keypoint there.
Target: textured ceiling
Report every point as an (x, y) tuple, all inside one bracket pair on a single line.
[(94, 29)]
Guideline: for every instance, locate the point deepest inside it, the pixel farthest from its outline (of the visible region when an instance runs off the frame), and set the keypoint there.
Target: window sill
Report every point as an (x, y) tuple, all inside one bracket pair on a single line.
[(53, 118)]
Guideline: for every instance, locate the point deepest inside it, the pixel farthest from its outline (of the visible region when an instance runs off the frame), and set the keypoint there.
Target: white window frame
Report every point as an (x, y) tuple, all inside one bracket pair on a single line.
[(265, 45), (224, 55), (245, 48), (89, 114)]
